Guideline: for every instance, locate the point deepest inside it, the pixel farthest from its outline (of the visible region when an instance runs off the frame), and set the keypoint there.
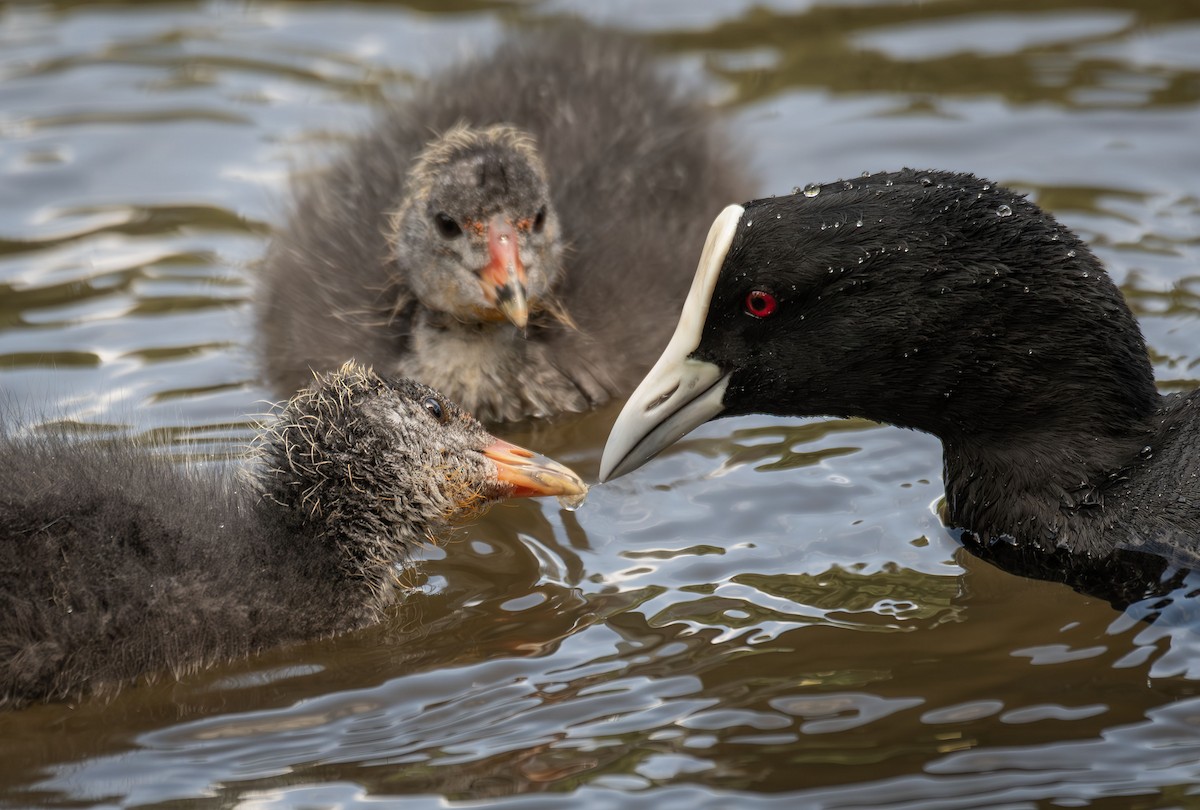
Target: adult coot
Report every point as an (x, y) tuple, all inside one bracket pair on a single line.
[(114, 565), (511, 234), (943, 303)]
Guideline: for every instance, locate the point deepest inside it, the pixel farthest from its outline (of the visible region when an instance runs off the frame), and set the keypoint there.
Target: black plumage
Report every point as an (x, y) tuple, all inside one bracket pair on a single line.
[(566, 157), (944, 303), (115, 564)]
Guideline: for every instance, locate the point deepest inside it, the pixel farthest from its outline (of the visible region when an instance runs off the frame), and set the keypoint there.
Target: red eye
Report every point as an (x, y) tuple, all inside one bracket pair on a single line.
[(760, 303)]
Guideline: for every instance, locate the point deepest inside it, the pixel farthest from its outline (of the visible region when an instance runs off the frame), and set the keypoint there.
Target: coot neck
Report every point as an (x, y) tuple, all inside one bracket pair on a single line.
[(497, 373), (1043, 488), (1036, 418), (358, 551), (435, 324)]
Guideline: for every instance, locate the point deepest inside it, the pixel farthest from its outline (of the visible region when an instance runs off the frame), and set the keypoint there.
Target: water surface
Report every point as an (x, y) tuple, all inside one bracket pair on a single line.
[(770, 614)]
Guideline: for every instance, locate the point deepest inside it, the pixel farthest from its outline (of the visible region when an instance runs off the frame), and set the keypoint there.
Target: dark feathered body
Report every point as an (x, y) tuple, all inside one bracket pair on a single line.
[(117, 564), (635, 173), (114, 564), (1122, 534), (1152, 502)]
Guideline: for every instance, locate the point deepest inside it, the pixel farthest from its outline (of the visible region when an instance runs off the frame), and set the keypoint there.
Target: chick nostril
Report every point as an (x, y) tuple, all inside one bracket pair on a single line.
[(658, 403)]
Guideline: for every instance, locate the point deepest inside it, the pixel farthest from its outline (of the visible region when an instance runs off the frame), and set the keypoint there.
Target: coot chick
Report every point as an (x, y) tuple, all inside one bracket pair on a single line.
[(511, 234), (115, 565), (943, 303)]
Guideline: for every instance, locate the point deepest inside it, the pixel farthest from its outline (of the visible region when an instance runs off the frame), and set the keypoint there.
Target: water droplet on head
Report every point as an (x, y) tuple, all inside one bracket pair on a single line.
[(1004, 211), (1070, 254), (812, 190), (925, 181), (858, 224)]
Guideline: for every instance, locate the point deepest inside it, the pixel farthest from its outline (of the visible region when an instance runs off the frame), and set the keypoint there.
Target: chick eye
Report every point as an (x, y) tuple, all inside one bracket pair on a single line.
[(760, 303), (447, 227), (539, 221), (435, 408)]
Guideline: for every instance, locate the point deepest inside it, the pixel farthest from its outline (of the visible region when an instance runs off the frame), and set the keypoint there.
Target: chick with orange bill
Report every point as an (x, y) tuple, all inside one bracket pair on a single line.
[(116, 566)]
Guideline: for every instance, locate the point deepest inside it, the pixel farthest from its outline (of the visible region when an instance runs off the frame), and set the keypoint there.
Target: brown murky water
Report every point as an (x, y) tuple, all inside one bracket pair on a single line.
[(770, 615)]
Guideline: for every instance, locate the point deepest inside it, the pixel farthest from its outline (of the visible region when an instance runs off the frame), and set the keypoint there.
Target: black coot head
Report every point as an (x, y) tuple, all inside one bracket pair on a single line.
[(929, 300)]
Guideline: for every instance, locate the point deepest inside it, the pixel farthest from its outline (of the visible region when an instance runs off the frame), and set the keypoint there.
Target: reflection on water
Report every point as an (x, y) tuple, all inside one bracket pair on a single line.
[(770, 614)]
